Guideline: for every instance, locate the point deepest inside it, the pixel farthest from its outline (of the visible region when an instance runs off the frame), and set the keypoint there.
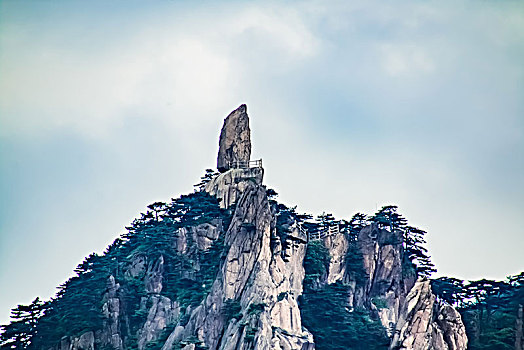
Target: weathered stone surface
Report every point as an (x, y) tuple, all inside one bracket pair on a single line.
[(137, 267), (161, 313), (174, 337), (229, 186), (235, 139), (263, 272), (425, 324), (154, 276), (85, 342), (387, 283), (337, 246), (403, 307), (111, 311), (203, 235), (450, 323)]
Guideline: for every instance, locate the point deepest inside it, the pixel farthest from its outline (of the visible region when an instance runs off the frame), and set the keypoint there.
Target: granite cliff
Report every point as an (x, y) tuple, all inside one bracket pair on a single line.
[(228, 268)]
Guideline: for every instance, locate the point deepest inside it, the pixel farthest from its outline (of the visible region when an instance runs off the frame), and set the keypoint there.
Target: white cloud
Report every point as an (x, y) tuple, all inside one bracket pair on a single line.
[(161, 70), (405, 60)]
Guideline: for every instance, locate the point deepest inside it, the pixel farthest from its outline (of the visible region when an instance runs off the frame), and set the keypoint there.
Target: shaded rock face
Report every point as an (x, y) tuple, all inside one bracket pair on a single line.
[(426, 324), (235, 139), (154, 276), (203, 235)]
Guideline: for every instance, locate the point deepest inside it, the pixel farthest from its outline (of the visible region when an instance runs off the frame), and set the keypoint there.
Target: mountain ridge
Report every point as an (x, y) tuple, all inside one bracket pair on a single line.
[(228, 267)]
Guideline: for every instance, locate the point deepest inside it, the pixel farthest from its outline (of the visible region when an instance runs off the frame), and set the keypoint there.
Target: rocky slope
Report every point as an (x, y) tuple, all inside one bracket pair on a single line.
[(408, 309), (243, 268)]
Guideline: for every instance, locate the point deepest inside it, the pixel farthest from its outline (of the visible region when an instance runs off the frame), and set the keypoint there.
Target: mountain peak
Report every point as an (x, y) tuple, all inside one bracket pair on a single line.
[(235, 140)]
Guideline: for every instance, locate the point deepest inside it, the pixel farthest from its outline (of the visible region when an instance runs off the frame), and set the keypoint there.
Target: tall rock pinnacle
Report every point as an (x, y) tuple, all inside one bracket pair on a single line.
[(235, 139)]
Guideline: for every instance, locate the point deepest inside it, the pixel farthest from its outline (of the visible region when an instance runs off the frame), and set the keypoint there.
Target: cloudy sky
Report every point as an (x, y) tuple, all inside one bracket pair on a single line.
[(106, 107)]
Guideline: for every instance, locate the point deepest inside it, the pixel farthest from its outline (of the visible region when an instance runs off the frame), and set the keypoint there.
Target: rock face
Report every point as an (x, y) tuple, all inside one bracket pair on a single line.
[(235, 140), (263, 274), (337, 246), (111, 333), (85, 342), (229, 186), (252, 301), (161, 313), (426, 324), (386, 282), (407, 308)]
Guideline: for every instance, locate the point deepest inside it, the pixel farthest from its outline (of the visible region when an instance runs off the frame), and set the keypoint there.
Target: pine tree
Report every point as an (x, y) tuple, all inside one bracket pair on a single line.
[(22, 329)]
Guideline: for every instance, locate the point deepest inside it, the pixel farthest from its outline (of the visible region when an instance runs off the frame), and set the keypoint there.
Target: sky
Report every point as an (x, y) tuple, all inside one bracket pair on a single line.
[(106, 107)]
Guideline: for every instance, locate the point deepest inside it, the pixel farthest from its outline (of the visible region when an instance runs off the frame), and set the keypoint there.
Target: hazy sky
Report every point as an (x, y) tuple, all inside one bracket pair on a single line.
[(108, 106)]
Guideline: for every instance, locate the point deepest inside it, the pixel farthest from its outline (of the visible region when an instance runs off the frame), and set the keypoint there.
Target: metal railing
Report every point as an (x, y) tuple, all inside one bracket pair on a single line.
[(301, 229), (319, 233), (240, 164)]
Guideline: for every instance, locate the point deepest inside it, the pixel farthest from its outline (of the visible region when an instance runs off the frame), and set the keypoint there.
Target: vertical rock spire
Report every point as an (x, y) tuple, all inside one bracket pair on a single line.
[(235, 139)]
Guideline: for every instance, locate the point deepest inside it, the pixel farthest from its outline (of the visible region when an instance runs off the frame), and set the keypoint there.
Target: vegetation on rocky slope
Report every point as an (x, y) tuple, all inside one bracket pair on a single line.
[(489, 308), (76, 308)]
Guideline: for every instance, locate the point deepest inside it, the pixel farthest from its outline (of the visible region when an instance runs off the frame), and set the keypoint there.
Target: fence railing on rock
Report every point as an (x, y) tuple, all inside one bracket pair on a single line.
[(238, 164), (319, 233)]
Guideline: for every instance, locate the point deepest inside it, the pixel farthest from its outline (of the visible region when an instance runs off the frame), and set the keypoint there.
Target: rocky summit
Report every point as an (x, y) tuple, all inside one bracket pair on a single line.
[(229, 267), (235, 140)]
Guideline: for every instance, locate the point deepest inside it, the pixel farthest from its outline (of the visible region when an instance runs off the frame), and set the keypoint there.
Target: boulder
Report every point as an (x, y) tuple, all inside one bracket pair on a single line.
[(235, 140)]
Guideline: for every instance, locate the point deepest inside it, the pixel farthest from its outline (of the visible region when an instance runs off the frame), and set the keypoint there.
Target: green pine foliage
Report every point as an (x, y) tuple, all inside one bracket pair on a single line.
[(316, 263), (325, 309), (76, 307), (416, 253), (20, 333), (209, 175), (326, 314), (488, 308)]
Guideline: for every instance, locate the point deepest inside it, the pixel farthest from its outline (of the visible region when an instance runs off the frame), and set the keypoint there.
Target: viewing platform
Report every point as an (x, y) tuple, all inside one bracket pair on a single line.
[(245, 164)]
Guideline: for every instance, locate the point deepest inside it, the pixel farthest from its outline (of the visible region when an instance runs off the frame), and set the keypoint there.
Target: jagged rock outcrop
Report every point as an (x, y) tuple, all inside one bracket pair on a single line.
[(406, 309), (154, 276), (252, 301), (85, 342), (229, 186), (202, 235), (386, 280), (235, 140), (338, 246), (111, 333), (426, 324), (263, 273), (162, 312)]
